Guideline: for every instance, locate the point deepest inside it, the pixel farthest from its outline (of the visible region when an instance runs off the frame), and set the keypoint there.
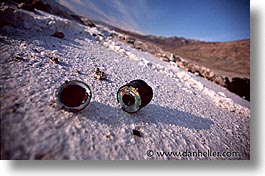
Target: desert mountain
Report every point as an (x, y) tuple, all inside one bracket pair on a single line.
[(225, 63)]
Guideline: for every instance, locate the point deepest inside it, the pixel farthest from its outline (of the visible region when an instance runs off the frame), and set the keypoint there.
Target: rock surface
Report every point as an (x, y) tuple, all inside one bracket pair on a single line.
[(185, 115)]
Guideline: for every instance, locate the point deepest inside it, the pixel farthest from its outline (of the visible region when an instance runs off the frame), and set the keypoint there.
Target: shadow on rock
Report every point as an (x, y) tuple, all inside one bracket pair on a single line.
[(151, 114)]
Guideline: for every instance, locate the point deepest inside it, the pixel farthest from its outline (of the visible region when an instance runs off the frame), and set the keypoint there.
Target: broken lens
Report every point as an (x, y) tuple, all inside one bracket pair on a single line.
[(134, 95), (73, 95)]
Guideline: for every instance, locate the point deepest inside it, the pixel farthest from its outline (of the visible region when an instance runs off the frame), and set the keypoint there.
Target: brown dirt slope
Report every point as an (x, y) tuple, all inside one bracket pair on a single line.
[(225, 63), (230, 59)]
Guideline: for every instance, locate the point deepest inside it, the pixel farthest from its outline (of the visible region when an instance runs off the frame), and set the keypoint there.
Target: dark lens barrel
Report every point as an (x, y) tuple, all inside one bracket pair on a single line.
[(145, 91), (134, 95)]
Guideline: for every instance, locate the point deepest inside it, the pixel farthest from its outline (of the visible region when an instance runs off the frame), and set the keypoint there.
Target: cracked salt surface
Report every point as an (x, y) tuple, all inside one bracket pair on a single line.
[(185, 114)]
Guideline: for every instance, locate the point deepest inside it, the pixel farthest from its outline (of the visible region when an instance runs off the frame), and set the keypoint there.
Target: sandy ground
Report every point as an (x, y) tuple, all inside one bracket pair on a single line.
[(186, 114)]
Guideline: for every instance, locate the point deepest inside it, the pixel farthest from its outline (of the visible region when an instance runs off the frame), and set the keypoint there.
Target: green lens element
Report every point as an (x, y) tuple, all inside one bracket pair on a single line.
[(134, 95), (129, 99)]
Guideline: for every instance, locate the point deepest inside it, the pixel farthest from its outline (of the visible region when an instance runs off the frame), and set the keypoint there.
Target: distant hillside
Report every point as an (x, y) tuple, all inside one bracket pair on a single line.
[(225, 63), (227, 58)]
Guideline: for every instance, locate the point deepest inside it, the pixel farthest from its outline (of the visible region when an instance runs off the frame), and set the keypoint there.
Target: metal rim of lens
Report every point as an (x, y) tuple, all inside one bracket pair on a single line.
[(73, 108)]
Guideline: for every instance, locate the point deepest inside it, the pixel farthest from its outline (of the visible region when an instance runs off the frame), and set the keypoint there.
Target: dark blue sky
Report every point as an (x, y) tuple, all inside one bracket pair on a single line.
[(209, 20)]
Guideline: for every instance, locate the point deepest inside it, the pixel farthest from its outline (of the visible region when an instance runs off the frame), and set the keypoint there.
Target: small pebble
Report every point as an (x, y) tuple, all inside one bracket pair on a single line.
[(58, 34), (19, 57), (137, 133), (53, 105), (77, 71), (100, 75), (54, 60)]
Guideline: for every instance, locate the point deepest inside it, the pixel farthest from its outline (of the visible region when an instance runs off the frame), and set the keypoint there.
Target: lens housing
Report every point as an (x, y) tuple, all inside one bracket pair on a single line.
[(73, 95), (134, 95)]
